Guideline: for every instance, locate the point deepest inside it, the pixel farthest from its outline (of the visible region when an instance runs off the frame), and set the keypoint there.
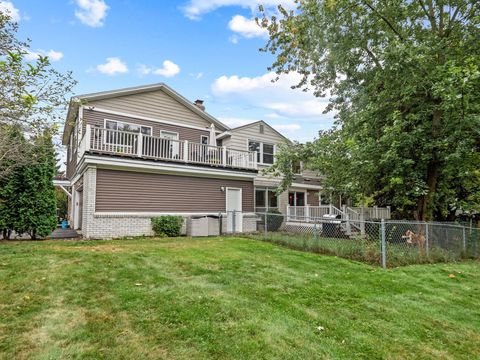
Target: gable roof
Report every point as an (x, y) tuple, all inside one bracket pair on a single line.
[(260, 122), (78, 100)]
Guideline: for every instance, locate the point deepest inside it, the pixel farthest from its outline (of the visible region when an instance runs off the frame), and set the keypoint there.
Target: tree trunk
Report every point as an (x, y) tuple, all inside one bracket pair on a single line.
[(425, 206)]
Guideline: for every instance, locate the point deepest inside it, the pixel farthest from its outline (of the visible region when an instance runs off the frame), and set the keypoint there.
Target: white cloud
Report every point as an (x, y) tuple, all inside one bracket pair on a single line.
[(194, 9), (287, 127), (8, 8), (113, 66), (91, 12), (197, 76), (233, 39), (246, 27), (52, 55), (169, 69), (277, 97)]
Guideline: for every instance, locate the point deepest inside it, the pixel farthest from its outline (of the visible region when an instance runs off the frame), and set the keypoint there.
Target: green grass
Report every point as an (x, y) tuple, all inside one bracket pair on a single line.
[(228, 298), (364, 249)]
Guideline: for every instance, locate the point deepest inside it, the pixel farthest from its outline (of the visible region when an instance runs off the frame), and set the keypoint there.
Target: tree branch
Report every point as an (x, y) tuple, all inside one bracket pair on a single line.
[(389, 24)]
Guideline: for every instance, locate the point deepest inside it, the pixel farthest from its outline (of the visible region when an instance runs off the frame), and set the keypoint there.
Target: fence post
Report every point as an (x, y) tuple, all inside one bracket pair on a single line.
[(234, 222), (383, 244), (427, 234), (348, 229), (362, 221), (140, 144), (224, 156), (185, 151), (288, 212), (464, 240), (266, 224), (375, 210)]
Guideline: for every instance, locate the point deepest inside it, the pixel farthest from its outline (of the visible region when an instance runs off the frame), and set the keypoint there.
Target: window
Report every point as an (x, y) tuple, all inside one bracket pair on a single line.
[(204, 139), (255, 146), (114, 138), (261, 129), (170, 146), (265, 199), (296, 198), (265, 152), (268, 154), (297, 168), (123, 126)]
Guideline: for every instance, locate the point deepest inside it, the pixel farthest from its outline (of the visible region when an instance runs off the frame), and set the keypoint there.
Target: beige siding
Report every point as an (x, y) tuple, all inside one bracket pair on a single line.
[(240, 137), (154, 104), (124, 191), (97, 118)]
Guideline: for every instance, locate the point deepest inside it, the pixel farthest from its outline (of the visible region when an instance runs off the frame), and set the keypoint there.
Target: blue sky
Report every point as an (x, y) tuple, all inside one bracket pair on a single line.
[(204, 49)]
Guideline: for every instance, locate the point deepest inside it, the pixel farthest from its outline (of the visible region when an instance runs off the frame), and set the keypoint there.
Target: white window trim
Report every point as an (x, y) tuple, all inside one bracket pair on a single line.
[(267, 205), (126, 122), (305, 194), (170, 132), (123, 122), (261, 150), (204, 136)]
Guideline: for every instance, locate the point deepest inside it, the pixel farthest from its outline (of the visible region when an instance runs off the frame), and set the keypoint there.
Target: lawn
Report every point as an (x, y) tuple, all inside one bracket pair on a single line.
[(228, 298)]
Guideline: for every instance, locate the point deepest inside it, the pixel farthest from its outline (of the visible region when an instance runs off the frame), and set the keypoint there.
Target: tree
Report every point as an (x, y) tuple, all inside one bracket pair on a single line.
[(36, 200), (404, 81), (32, 94)]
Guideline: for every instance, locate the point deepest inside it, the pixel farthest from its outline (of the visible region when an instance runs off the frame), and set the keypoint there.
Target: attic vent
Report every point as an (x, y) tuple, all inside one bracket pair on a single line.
[(261, 129)]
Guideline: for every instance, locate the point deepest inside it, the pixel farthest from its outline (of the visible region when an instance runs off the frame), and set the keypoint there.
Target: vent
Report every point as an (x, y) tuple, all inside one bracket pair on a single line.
[(261, 129)]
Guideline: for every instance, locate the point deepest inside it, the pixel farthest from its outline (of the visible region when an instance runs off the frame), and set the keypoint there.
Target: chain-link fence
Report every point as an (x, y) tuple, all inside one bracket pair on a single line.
[(388, 243)]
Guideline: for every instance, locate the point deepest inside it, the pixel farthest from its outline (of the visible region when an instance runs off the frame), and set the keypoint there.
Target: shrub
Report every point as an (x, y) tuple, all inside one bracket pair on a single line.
[(168, 225), (274, 220)]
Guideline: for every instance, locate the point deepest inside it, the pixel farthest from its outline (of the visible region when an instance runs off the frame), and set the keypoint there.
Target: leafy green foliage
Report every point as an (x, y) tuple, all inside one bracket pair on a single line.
[(403, 80), (168, 225), (27, 197), (33, 95)]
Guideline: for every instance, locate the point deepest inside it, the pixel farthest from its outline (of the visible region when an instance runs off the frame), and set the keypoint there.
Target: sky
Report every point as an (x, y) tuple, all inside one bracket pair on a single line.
[(204, 49)]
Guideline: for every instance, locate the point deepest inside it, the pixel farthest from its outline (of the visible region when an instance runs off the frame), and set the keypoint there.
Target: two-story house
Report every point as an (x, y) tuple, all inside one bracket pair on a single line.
[(147, 151)]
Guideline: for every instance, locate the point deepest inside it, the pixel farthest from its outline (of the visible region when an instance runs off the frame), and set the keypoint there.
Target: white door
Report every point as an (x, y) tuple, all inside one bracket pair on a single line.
[(172, 147), (234, 210)]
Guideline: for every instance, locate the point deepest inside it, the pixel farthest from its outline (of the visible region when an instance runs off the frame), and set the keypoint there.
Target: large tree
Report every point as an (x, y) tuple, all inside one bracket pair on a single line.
[(403, 79), (33, 95)]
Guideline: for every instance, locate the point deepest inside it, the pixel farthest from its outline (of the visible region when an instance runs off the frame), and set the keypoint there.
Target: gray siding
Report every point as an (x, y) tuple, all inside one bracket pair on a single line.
[(97, 118), (125, 191), (155, 104)]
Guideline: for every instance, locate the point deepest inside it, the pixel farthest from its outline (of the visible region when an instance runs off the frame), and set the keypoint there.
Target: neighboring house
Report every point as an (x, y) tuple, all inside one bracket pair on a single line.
[(147, 151)]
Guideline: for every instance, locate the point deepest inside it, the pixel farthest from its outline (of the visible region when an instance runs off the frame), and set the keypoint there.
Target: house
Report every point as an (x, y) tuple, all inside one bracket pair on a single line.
[(147, 151)]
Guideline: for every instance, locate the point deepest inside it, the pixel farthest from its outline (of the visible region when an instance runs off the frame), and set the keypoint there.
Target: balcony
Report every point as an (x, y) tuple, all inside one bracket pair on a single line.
[(137, 145)]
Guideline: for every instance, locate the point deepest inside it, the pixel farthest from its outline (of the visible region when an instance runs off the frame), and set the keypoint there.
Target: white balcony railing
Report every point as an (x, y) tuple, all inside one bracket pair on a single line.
[(151, 147)]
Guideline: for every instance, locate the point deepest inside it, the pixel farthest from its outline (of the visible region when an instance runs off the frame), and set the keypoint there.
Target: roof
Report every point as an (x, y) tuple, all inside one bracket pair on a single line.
[(76, 101), (260, 122)]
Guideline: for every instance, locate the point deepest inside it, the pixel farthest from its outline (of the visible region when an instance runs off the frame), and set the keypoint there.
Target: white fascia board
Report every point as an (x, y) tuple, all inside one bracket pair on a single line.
[(306, 186), (165, 168)]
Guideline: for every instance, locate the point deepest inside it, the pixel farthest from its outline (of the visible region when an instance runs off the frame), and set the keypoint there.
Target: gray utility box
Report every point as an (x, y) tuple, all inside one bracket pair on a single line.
[(203, 226)]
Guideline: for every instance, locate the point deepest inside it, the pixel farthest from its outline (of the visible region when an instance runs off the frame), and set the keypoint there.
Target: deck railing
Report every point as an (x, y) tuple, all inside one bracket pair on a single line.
[(151, 147)]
